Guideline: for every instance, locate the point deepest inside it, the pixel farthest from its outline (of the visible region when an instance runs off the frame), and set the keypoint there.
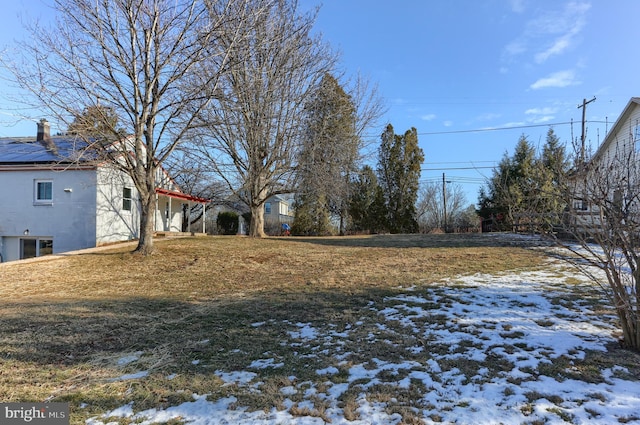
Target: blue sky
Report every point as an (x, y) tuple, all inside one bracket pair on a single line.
[(447, 67)]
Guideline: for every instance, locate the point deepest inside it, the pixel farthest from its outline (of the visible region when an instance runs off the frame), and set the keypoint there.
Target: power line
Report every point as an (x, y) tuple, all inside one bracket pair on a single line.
[(457, 162), (457, 168), (488, 129)]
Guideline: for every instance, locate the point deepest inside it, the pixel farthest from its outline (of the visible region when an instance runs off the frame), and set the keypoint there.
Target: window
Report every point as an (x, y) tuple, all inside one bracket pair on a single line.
[(45, 247), (27, 248), (580, 205), (43, 192), (284, 210), (126, 198), (636, 137), (267, 208), (30, 248)]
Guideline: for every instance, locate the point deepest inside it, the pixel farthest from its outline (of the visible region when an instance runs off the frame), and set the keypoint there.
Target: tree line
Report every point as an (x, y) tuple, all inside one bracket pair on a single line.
[(362, 200), (225, 92), (527, 190)]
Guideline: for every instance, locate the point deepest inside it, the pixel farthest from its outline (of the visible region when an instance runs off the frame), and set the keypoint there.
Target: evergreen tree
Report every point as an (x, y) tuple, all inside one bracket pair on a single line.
[(526, 189), (556, 164), (312, 216), (399, 162), (362, 208), (96, 122), (512, 182), (328, 156)]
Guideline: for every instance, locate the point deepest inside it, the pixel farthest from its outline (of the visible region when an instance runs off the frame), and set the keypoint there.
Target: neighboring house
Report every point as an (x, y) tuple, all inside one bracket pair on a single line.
[(609, 173), (278, 209), (623, 139), (55, 198)]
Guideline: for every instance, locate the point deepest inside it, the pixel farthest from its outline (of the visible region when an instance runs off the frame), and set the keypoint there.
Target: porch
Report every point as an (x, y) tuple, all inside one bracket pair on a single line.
[(170, 209)]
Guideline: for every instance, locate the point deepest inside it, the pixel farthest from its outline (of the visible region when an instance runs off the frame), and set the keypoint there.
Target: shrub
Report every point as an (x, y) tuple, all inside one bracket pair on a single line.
[(227, 223)]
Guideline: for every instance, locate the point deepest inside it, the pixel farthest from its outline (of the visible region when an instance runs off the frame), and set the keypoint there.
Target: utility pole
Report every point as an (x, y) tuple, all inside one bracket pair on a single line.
[(584, 120), (444, 201)]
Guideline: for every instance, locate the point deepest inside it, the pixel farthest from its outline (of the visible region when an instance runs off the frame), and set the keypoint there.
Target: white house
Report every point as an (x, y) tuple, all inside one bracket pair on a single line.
[(624, 137), (609, 182), (53, 200), (278, 209)]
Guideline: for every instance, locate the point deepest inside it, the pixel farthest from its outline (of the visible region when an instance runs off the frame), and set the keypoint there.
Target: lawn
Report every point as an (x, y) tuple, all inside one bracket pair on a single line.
[(384, 329)]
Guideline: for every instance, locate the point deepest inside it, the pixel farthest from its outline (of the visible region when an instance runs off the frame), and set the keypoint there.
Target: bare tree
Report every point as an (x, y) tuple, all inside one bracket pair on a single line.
[(140, 60), (252, 131), (603, 216), (431, 205)]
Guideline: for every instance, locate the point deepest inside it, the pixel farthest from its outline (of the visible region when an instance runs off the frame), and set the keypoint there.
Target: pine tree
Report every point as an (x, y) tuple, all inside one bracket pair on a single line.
[(362, 208), (556, 161), (526, 189), (399, 162), (328, 156)]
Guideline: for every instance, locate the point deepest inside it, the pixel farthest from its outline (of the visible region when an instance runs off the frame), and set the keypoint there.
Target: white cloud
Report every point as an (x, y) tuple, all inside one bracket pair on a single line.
[(542, 120), (541, 111), (557, 79), (429, 117), (514, 124), (551, 33), (447, 123), (559, 46)]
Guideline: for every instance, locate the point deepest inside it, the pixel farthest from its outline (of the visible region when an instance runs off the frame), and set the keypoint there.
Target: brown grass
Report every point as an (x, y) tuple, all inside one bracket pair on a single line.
[(66, 322)]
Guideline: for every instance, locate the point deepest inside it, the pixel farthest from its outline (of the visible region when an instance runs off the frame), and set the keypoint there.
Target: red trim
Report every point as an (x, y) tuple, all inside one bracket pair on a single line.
[(180, 195)]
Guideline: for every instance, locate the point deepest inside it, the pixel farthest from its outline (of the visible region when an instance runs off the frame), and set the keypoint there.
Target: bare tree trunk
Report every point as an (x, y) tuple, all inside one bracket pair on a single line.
[(147, 225), (256, 228)]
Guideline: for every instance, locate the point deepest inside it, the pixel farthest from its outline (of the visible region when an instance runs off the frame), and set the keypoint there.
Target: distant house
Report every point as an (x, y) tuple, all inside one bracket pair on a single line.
[(57, 198), (607, 177), (278, 209)]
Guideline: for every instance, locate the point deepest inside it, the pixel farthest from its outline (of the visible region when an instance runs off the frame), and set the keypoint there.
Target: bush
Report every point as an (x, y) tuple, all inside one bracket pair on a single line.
[(227, 223)]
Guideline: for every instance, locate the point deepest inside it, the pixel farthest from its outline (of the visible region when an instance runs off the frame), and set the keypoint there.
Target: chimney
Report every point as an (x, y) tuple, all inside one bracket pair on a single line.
[(43, 131), (44, 136)]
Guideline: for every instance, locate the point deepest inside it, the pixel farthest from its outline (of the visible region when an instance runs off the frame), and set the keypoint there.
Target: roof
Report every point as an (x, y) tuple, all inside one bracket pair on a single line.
[(25, 150), (624, 116), (180, 195), (20, 151)]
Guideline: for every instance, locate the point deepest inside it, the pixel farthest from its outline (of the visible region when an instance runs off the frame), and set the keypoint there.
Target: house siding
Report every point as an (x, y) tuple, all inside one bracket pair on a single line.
[(607, 164), (622, 138), (68, 219), (113, 222)]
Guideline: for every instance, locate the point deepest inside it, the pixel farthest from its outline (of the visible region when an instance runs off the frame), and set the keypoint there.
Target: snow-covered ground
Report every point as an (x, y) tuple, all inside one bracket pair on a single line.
[(481, 350)]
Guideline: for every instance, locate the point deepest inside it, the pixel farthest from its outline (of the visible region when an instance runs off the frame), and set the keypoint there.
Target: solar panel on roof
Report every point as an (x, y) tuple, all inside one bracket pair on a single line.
[(16, 150)]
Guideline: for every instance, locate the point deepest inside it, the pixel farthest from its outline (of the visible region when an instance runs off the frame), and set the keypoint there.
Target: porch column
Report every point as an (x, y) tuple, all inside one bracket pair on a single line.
[(189, 218), (170, 218)]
